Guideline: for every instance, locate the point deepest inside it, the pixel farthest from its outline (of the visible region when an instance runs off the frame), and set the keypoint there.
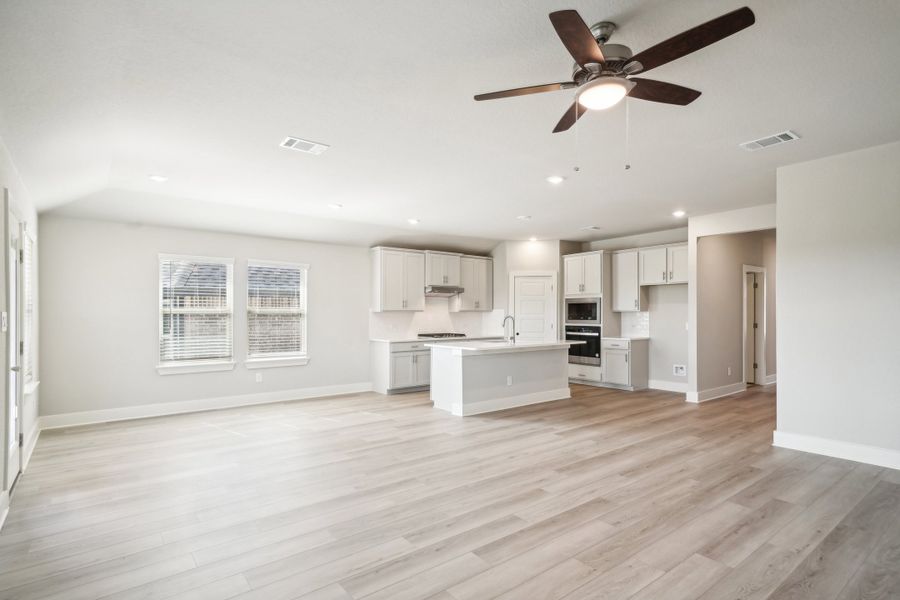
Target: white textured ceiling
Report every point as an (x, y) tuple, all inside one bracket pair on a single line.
[(96, 95)]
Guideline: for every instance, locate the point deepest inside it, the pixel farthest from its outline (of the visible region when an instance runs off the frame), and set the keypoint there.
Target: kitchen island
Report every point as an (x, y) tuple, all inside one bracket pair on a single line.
[(473, 377)]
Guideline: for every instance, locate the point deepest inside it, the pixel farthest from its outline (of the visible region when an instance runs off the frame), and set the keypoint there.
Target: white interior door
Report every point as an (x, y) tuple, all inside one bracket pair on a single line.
[(534, 308), (14, 383)]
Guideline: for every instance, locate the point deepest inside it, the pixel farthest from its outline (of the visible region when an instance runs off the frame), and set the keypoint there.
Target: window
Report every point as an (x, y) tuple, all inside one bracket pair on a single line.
[(28, 366), (276, 311), (195, 313)]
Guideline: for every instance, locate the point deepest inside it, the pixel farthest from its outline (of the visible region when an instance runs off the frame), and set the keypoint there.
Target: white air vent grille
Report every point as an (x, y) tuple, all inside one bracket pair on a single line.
[(293, 143), (770, 140)]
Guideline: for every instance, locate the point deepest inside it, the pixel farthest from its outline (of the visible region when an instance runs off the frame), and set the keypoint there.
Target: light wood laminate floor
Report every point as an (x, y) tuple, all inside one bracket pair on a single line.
[(608, 495)]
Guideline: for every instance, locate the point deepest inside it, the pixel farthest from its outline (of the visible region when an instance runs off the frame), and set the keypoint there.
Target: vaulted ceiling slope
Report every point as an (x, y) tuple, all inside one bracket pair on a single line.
[(95, 95)]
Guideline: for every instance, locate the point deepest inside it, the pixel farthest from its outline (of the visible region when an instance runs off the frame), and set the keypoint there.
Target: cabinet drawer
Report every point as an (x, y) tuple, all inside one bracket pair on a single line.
[(408, 346), (585, 372), (621, 344)]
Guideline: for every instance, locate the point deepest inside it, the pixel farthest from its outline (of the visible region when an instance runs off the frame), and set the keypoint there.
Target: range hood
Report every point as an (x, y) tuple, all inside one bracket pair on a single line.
[(442, 291)]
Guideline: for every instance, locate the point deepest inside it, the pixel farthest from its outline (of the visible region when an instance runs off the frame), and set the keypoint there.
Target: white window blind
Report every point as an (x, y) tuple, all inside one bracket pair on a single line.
[(28, 309), (195, 309), (276, 309)]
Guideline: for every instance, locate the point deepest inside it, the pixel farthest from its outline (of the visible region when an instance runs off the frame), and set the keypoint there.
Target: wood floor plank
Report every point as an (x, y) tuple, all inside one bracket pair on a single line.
[(607, 494)]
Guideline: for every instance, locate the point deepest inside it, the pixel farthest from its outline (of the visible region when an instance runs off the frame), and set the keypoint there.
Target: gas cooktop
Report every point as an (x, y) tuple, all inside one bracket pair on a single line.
[(442, 335)]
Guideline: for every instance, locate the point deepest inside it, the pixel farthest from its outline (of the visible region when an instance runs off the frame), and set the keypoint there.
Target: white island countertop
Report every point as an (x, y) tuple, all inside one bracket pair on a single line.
[(477, 347)]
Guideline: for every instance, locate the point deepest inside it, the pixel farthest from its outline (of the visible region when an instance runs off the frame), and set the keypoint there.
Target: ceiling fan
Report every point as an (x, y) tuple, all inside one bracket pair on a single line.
[(603, 72)]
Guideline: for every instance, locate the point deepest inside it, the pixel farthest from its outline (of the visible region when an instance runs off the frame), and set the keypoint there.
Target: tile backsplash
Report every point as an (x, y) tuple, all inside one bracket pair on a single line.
[(435, 317), (636, 324)]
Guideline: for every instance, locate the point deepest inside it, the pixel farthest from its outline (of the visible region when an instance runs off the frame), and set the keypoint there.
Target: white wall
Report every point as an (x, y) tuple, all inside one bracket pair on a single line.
[(839, 255), (100, 315)]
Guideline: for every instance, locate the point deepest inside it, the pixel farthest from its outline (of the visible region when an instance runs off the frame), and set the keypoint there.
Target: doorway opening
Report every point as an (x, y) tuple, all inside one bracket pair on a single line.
[(754, 329)]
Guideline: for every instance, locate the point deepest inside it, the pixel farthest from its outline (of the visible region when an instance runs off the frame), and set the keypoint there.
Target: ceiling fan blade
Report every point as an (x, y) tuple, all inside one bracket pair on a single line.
[(524, 91), (695, 39), (573, 114), (576, 36), (660, 91)]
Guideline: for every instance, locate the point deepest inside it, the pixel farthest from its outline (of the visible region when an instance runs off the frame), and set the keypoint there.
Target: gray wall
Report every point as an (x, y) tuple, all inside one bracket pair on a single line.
[(839, 254), (99, 313), (720, 285), (668, 335)]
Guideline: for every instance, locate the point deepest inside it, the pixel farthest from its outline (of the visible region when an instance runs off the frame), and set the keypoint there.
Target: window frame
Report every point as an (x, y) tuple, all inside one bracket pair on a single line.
[(175, 367), (282, 359)]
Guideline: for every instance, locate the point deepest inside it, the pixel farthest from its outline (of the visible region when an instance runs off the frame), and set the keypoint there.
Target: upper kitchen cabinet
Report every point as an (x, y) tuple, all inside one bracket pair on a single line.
[(583, 274), (442, 268), (677, 260), (627, 295), (653, 267), (477, 280), (398, 278), (663, 264)]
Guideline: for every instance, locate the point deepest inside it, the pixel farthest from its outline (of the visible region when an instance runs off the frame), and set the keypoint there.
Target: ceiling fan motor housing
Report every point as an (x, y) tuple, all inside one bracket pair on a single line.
[(616, 58)]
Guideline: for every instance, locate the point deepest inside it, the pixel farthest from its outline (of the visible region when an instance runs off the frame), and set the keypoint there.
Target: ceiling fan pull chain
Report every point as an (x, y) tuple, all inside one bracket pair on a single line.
[(577, 142), (627, 133)]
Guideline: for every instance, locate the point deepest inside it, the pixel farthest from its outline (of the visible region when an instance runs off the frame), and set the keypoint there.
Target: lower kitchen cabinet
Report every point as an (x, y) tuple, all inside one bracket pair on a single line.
[(624, 364), (410, 369), (400, 366)]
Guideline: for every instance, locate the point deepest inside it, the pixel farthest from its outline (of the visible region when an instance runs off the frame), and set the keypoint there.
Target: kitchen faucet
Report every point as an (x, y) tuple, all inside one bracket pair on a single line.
[(511, 338)]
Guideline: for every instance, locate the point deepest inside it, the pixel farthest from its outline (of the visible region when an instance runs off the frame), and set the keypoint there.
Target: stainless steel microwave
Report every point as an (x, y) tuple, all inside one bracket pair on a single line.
[(583, 311)]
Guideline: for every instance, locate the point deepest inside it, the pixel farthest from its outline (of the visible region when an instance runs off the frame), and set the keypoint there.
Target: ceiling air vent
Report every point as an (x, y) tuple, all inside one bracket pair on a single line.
[(771, 140), (293, 143)]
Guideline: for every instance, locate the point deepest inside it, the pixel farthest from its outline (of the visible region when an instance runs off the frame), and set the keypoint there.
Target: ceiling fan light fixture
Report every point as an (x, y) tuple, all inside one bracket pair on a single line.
[(604, 92)]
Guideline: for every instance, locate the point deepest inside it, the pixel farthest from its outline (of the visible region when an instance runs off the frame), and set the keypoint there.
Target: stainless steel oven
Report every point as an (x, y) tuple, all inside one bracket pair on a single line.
[(587, 353), (583, 311)]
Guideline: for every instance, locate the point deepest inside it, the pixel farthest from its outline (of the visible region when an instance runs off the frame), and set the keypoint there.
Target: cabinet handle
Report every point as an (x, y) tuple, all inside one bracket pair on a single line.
[(670, 276), (664, 276), (635, 303)]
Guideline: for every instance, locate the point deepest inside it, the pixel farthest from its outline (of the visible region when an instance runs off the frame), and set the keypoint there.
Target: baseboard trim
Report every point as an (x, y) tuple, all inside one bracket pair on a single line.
[(511, 402), (667, 386), (873, 455), (30, 443), (4, 507), (770, 379), (715, 393), (174, 408)]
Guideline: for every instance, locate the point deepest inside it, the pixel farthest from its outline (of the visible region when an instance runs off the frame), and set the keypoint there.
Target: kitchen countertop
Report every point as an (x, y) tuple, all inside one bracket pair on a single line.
[(418, 339), (476, 347)]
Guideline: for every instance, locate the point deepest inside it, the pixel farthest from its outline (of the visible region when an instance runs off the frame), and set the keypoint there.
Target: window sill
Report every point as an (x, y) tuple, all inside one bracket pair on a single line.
[(279, 361), (30, 388), (194, 367)]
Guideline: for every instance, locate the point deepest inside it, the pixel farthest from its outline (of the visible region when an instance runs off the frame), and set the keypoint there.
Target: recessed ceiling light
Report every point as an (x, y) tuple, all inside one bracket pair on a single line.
[(412, 221), (556, 179), (532, 239), (524, 217), (335, 206), (158, 178), (679, 213)]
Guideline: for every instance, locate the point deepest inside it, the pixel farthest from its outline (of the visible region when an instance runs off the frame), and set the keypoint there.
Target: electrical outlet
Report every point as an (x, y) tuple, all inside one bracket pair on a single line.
[(729, 370), (509, 380), (679, 370), (259, 378)]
